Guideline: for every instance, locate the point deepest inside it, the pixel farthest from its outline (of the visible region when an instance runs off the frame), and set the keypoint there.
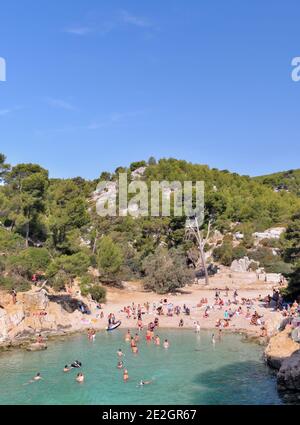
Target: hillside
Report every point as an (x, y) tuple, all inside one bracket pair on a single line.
[(50, 228), (283, 181)]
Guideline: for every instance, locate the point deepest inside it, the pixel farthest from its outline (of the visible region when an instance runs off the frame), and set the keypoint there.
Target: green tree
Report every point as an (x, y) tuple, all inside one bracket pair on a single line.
[(224, 253), (98, 293), (293, 289), (69, 266), (27, 185), (292, 237), (67, 214), (166, 271), (110, 257), (4, 167), (135, 165), (28, 262), (152, 161)]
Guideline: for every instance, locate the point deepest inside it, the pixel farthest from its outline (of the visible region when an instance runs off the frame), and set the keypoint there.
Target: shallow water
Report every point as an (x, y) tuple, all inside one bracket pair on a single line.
[(192, 371)]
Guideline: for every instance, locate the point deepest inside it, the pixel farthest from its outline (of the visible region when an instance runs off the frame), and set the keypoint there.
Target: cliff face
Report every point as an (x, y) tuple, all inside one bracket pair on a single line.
[(32, 314), (283, 354), (280, 347), (288, 378)]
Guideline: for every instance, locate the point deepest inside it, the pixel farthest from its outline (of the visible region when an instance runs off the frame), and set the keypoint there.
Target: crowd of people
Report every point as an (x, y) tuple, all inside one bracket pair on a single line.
[(135, 339), (228, 306)]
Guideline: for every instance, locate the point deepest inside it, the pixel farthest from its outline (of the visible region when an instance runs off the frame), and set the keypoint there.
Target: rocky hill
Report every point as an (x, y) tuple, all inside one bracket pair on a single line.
[(288, 181)]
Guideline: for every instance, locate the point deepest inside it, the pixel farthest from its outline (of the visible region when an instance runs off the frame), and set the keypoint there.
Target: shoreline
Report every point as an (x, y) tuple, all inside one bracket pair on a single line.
[(59, 323), (52, 337)]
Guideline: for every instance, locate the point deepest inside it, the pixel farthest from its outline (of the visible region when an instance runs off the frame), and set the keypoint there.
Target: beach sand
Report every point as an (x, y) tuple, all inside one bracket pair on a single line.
[(117, 299)]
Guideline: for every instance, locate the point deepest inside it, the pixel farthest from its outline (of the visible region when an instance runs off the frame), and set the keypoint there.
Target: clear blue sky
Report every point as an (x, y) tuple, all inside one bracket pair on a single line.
[(94, 84)]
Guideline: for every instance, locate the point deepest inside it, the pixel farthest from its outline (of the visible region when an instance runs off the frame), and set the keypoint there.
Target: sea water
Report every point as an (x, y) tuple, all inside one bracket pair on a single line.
[(192, 371)]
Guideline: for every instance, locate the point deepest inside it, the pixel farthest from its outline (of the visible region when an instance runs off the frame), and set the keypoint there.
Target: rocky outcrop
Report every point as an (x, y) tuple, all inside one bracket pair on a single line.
[(35, 300), (138, 173), (273, 233), (3, 325), (241, 265), (280, 347), (36, 312), (288, 378)]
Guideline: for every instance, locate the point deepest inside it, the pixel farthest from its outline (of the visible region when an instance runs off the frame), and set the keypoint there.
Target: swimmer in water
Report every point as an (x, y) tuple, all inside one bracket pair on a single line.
[(166, 344), (125, 375), (143, 383), (157, 340), (197, 327), (37, 377), (213, 340), (120, 353), (67, 369), (80, 378), (128, 336), (135, 350), (120, 365)]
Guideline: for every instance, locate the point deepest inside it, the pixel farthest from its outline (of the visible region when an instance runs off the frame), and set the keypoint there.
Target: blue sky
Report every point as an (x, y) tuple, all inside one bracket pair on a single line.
[(94, 84)]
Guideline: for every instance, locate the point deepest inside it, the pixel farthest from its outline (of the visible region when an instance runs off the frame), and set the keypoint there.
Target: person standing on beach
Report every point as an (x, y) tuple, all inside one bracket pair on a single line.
[(197, 327), (14, 296)]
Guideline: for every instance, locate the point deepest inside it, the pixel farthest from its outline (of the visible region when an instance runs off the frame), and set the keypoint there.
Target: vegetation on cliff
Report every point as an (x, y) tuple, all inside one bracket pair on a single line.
[(50, 228)]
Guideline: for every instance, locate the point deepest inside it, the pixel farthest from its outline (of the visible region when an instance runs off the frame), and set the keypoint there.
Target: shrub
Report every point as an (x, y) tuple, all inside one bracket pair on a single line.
[(29, 261), (59, 280), (85, 285), (73, 265), (224, 253), (14, 282), (278, 266), (263, 255), (166, 271), (271, 263), (135, 165), (253, 266), (270, 243), (10, 242), (239, 252), (98, 293)]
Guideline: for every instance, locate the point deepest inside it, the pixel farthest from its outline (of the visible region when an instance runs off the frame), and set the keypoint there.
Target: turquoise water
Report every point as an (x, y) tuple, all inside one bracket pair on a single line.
[(192, 371)]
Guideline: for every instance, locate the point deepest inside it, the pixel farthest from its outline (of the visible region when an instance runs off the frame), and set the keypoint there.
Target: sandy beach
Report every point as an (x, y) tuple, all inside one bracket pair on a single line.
[(35, 313), (118, 299)]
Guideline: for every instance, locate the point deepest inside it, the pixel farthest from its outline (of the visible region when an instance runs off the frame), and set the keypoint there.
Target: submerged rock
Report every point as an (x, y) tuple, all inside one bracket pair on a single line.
[(36, 347)]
